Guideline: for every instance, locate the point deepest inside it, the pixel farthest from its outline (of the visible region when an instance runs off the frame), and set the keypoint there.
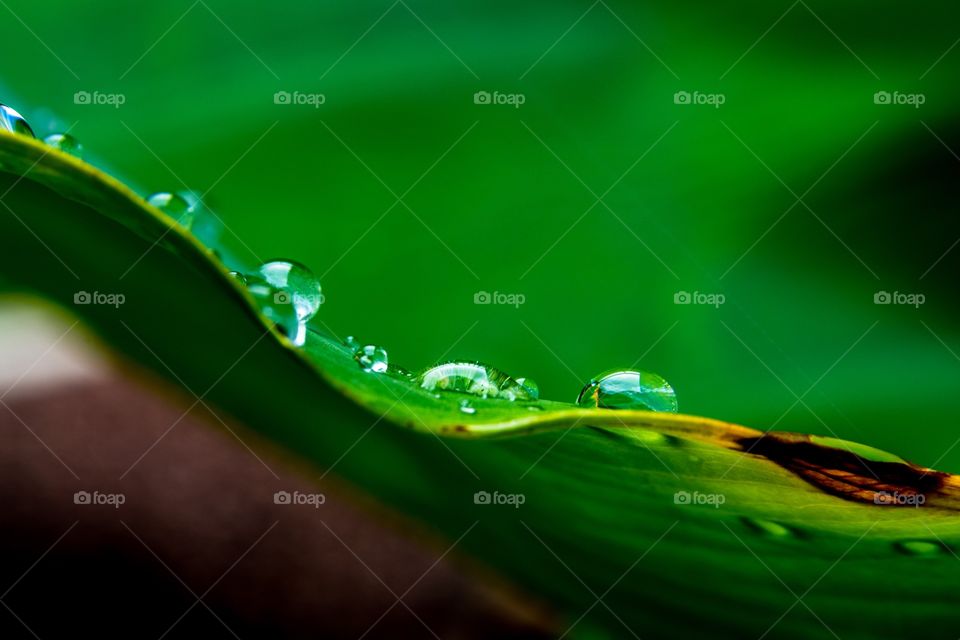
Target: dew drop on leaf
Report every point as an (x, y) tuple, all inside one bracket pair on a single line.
[(275, 305), (466, 407), (11, 120), (372, 358), (628, 389), (175, 206), (239, 277), (66, 143), (533, 389), (351, 343), (298, 281), (473, 378)]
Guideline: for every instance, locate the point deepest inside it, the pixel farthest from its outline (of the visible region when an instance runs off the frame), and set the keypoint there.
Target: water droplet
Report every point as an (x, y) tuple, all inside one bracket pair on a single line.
[(282, 314), (533, 389), (239, 277), (920, 547), (11, 120), (628, 389), (473, 378), (534, 407), (299, 282), (173, 205), (769, 528), (465, 407), (66, 143), (372, 358), (351, 343)]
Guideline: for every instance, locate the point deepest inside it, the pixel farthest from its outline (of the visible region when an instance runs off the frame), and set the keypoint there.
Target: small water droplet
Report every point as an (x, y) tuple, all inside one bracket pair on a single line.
[(465, 407), (299, 282), (473, 378), (66, 143), (239, 277), (282, 314), (769, 528), (174, 205), (399, 372), (628, 389), (534, 407), (372, 358), (11, 120), (351, 343), (920, 547), (533, 389)]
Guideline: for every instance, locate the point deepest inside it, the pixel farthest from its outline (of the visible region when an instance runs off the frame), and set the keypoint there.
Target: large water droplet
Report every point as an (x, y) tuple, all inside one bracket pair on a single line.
[(473, 378), (11, 120), (629, 389), (174, 205), (66, 143), (275, 306), (533, 389), (920, 547), (299, 282), (203, 223), (372, 358)]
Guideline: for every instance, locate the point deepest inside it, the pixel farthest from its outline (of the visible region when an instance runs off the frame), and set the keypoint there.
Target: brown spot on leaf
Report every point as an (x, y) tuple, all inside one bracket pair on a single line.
[(845, 474)]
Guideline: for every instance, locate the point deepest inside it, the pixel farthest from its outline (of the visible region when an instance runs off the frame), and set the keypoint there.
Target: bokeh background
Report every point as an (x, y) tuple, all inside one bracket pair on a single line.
[(598, 199)]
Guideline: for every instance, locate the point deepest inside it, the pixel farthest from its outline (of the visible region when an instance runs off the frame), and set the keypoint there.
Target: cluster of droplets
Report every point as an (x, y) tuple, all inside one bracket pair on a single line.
[(11, 120), (289, 295)]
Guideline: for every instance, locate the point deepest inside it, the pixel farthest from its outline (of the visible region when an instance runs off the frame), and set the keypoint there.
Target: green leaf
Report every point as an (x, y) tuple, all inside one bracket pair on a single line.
[(625, 522)]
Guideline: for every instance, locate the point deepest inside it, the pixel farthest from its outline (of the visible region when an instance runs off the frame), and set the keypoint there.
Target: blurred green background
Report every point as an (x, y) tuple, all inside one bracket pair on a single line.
[(694, 197)]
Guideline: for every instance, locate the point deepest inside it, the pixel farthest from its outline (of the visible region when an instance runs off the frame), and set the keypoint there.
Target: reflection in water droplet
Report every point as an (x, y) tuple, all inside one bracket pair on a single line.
[(174, 206), (533, 389), (465, 407), (12, 121), (920, 547), (372, 358), (299, 282), (282, 314), (66, 143), (769, 528), (473, 378), (628, 389)]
